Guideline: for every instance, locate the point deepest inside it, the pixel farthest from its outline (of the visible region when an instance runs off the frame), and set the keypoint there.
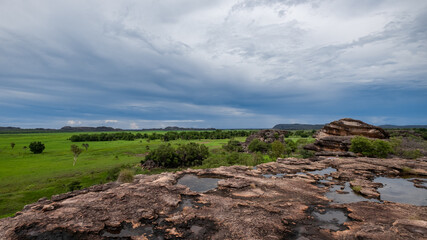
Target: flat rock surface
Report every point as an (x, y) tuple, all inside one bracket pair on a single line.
[(246, 204)]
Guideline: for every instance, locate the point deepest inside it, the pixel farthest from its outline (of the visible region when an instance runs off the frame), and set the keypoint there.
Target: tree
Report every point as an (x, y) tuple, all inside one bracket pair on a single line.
[(259, 146), (36, 147), (12, 145), (233, 146), (76, 151), (277, 149), (85, 145)]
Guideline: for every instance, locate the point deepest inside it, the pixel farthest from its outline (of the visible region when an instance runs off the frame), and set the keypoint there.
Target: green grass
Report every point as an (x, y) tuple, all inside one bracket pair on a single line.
[(25, 177)]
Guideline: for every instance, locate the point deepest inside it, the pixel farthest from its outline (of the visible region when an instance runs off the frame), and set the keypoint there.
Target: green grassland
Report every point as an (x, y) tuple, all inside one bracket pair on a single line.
[(25, 177)]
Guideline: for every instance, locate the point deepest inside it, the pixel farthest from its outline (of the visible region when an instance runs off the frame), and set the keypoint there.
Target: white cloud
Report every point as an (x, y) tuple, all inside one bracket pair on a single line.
[(111, 121), (72, 122), (133, 125)]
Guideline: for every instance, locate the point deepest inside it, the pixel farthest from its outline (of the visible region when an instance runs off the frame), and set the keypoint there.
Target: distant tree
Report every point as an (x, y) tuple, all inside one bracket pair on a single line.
[(36, 147), (76, 151), (233, 146), (259, 146), (85, 145), (12, 145), (24, 147)]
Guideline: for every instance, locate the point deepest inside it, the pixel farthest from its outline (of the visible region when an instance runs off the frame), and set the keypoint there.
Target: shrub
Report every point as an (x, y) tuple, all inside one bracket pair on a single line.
[(381, 148), (409, 147), (112, 174), (370, 148), (407, 170), (12, 145), (357, 188), (190, 154), (306, 153), (412, 154), (36, 147), (259, 146), (277, 149), (233, 146), (74, 185), (125, 176), (290, 146)]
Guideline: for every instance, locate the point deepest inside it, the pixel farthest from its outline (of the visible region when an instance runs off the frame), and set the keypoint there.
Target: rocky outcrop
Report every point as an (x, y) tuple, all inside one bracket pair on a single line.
[(245, 205), (266, 135), (351, 127), (334, 139)]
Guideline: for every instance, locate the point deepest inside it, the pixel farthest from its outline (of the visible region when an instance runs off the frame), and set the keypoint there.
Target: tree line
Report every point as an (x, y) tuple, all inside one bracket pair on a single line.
[(168, 136)]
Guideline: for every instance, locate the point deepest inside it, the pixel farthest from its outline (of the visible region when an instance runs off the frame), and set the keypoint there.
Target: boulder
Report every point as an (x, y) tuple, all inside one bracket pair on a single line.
[(351, 127), (334, 139)]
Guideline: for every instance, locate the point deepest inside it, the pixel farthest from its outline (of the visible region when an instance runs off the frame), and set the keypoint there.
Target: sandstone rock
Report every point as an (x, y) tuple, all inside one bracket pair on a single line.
[(246, 205), (267, 135), (334, 139), (351, 127)]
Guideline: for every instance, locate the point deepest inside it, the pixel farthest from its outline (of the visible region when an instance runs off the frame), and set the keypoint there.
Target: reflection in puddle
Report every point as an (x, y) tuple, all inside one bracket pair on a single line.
[(198, 184), (331, 219), (325, 171), (197, 230), (127, 231), (189, 203), (348, 197), (402, 191), (279, 175)]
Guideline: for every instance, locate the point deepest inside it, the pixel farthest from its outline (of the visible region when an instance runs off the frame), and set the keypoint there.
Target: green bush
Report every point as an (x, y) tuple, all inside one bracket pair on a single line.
[(125, 176), (74, 185), (412, 154), (36, 147), (233, 146), (290, 146), (185, 155), (259, 146), (306, 153), (277, 149), (371, 148), (112, 174)]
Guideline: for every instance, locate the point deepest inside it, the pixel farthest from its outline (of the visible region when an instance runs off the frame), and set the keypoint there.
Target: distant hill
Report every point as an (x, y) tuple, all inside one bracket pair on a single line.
[(297, 126), (5, 130), (89, 129), (402, 127)]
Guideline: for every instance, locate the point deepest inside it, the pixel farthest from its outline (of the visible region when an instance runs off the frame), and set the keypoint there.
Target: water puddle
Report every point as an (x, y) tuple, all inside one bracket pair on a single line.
[(189, 203), (279, 175), (198, 184), (332, 219), (127, 231), (323, 172), (402, 191), (346, 195)]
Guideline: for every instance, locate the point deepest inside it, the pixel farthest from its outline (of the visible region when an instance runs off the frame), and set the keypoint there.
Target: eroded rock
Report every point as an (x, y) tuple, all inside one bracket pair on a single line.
[(267, 135), (334, 139), (245, 205)]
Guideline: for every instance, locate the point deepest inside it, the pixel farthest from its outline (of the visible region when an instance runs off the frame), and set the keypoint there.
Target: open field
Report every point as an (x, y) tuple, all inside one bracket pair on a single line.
[(25, 177)]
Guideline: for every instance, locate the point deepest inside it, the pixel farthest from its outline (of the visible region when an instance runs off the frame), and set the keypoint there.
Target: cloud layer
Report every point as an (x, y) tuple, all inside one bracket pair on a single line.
[(224, 64)]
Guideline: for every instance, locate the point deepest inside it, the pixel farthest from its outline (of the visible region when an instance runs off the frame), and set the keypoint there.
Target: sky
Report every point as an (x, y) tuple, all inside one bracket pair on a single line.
[(136, 64)]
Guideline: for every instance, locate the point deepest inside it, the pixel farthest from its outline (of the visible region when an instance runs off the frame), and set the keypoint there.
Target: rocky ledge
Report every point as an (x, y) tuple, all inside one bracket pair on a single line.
[(287, 199)]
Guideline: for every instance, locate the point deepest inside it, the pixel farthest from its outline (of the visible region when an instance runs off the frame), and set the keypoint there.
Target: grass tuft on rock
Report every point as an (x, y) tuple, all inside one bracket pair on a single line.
[(125, 176)]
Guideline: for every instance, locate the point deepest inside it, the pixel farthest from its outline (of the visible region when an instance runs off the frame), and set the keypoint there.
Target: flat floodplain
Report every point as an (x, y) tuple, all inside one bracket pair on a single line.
[(25, 177)]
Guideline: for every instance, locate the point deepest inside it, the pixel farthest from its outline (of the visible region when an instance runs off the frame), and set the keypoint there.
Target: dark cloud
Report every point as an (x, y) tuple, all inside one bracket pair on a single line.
[(223, 64)]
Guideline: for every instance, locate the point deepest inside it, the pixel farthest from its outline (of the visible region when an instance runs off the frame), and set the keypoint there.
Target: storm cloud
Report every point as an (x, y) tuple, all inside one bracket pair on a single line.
[(223, 64)]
